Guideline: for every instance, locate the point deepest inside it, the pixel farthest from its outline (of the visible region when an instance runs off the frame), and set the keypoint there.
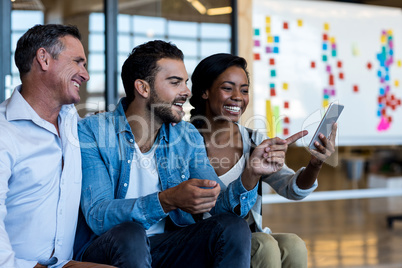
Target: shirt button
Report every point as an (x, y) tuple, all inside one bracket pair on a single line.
[(182, 176), (129, 161), (131, 140), (125, 185), (243, 198)]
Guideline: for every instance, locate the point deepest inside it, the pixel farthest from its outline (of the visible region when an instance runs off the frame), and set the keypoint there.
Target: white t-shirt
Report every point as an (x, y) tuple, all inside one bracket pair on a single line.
[(144, 180)]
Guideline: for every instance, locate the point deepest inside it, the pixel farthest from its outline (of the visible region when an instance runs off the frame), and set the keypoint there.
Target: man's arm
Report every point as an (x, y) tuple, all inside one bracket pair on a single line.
[(7, 255)]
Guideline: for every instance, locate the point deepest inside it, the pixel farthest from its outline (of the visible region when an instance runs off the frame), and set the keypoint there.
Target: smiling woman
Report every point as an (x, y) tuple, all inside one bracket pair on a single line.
[(220, 85)]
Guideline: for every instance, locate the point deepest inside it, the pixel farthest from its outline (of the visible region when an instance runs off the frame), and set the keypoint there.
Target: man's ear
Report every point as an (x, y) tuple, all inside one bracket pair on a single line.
[(142, 87), (205, 95), (42, 57)]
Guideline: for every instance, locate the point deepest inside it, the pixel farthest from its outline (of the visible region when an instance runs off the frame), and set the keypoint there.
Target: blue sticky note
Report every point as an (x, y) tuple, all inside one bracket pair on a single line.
[(387, 78), (324, 46), (379, 73), (256, 31), (276, 39), (382, 91), (276, 50), (271, 85), (273, 73)]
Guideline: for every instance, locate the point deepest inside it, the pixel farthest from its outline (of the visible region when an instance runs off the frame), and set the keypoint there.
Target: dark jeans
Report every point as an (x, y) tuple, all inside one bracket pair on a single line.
[(220, 241)]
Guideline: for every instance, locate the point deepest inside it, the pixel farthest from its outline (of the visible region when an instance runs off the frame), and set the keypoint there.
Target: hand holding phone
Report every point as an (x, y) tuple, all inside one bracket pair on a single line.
[(330, 117)]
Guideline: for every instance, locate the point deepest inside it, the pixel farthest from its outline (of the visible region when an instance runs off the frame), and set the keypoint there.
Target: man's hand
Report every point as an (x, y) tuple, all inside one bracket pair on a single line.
[(193, 196)]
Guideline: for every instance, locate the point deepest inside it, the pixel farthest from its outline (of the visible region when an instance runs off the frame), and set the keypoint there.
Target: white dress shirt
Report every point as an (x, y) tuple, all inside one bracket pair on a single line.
[(40, 185)]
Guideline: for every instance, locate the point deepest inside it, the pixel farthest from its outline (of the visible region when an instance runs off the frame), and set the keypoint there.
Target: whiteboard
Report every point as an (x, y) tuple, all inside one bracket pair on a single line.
[(310, 53)]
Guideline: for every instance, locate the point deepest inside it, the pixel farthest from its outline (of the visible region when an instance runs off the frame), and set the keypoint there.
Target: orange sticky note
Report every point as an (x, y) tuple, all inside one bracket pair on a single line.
[(273, 93), (271, 61), (286, 105), (312, 64), (257, 56), (285, 25), (355, 88), (285, 131), (331, 80), (286, 120), (340, 75), (339, 63)]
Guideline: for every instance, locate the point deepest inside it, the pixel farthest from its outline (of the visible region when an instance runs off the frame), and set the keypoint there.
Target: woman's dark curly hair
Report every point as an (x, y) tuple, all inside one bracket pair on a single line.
[(204, 75)]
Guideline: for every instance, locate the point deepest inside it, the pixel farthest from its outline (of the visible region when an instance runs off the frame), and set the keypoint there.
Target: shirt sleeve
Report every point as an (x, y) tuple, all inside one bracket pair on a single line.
[(7, 158), (100, 206), (231, 196)]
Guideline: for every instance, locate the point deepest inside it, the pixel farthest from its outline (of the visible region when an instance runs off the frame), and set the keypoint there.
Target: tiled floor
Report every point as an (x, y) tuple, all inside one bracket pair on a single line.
[(342, 233)]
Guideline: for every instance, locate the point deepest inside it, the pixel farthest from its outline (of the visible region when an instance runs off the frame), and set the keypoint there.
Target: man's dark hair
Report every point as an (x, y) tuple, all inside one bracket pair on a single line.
[(142, 63), (46, 36)]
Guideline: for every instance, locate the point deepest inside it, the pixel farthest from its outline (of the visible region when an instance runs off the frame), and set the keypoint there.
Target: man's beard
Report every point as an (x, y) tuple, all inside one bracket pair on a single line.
[(161, 110)]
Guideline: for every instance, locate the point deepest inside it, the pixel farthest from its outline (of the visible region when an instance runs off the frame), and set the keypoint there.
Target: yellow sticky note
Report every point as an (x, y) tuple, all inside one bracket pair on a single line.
[(325, 103), (299, 23), (326, 26), (270, 39), (399, 63), (285, 86), (389, 32), (355, 50), (397, 83), (267, 20), (332, 40), (268, 29), (270, 119), (383, 39)]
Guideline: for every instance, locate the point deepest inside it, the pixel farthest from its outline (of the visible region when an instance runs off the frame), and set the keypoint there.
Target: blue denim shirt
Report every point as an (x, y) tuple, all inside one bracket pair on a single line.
[(107, 148)]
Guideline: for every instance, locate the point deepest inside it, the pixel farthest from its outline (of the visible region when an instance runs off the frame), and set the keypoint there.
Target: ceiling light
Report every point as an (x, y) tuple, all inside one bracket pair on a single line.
[(219, 11), (198, 6)]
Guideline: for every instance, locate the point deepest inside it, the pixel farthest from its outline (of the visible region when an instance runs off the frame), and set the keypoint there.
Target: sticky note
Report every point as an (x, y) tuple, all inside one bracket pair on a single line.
[(325, 103), (278, 125), (331, 80), (369, 65), (341, 76), (328, 68), (333, 53), (396, 83), (276, 39), (276, 50), (285, 86), (271, 61), (256, 43), (270, 119), (324, 46), (267, 20), (286, 120), (324, 58), (268, 29), (273, 73), (285, 25), (355, 50), (286, 105), (257, 32), (271, 85), (389, 32), (355, 88), (272, 92), (312, 64), (285, 131), (257, 56), (300, 23), (270, 39), (383, 39), (332, 40), (399, 63), (326, 26), (325, 37), (339, 64), (268, 50)]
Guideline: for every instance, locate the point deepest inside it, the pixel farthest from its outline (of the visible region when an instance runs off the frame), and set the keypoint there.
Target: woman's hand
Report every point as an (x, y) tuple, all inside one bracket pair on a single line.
[(324, 151)]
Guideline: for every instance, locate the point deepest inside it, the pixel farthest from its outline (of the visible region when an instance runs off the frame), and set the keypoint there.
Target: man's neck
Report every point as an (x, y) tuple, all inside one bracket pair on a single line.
[(44, 106), (143, 125)]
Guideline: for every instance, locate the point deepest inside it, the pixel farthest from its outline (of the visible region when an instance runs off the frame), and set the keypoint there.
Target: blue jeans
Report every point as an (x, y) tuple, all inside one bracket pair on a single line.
[(223, 240)]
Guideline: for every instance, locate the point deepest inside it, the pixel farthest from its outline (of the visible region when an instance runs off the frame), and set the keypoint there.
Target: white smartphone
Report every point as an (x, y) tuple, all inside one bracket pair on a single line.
[(325, 127)]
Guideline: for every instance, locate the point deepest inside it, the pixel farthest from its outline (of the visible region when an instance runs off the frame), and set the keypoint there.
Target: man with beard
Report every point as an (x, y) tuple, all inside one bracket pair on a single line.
[(146, 182)]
